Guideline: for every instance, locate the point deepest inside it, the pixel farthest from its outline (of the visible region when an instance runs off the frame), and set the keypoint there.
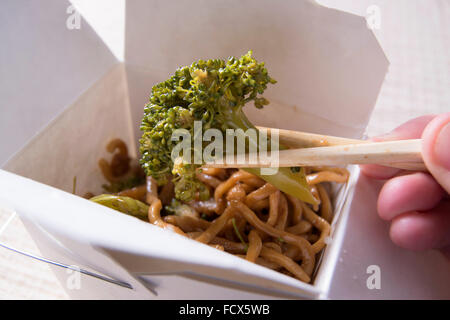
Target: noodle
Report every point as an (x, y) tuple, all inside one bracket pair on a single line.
[(254, 246), (255, 182), (273, 246), (283, 214), (155, 218), (302, 227), (246, 216), (320, 224), (263, 262), (155, 207), (308, 258), (217, 246), (260, 194), (167, 193), (207, 179), (326, 210), (216, 226), (138, 193), (188, 223), (260, 204), (315, 194), (216, 172), (120, 163), (239, 176), (274, 202), (286, 262), (327, 174), (297, 209), (228, 245), (292, 252), (236, 193)]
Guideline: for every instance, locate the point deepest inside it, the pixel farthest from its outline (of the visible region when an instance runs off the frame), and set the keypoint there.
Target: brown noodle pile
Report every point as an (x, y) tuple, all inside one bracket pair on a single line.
[(246, 216)]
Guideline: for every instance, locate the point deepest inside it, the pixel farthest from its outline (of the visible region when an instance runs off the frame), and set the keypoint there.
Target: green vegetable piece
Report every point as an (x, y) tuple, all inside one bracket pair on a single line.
[(236, 230), (123, 204)]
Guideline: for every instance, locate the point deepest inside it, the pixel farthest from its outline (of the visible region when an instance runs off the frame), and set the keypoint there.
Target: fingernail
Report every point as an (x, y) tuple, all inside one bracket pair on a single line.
[(442, 147)]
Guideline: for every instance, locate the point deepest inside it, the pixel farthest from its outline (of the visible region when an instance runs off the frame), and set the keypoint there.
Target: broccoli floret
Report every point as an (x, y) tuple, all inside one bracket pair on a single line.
[(213, 92)]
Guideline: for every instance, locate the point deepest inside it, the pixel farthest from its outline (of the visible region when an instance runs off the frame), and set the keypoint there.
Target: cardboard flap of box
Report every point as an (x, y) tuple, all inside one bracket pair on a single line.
[(76, 225), (328, 64), (48, 66)]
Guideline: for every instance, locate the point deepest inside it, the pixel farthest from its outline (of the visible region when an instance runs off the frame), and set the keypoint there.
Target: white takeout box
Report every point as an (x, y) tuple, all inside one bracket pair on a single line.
[(329, 69)]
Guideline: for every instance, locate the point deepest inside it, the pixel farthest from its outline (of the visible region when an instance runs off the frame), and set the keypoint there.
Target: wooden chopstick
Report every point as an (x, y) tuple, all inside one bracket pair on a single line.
[(320, 150), (299, 139)]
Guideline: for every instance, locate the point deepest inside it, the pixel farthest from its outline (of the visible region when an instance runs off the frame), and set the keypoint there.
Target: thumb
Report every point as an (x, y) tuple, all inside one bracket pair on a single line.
[(436, 149)]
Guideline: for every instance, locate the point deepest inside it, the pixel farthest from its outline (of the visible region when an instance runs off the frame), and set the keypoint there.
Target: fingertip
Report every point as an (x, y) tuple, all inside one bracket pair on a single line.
[(435, 148), (430, 136)]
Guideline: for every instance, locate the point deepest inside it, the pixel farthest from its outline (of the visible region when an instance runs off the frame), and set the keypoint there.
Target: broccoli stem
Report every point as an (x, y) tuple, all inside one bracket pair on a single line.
[(292, 183)]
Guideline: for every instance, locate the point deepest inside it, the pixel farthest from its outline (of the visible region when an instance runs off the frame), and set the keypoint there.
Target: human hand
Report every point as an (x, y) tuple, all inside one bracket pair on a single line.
[(417, 203)]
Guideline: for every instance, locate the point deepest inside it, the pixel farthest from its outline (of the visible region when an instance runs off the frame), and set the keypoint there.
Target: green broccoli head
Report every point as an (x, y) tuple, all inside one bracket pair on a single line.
[(213, 92)]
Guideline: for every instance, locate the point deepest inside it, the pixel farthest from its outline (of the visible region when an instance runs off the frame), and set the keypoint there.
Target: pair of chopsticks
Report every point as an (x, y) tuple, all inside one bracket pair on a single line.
[(308, 149)]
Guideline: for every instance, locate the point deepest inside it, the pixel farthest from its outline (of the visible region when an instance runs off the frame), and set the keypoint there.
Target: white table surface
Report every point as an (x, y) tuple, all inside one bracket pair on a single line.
[(415, 35)]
